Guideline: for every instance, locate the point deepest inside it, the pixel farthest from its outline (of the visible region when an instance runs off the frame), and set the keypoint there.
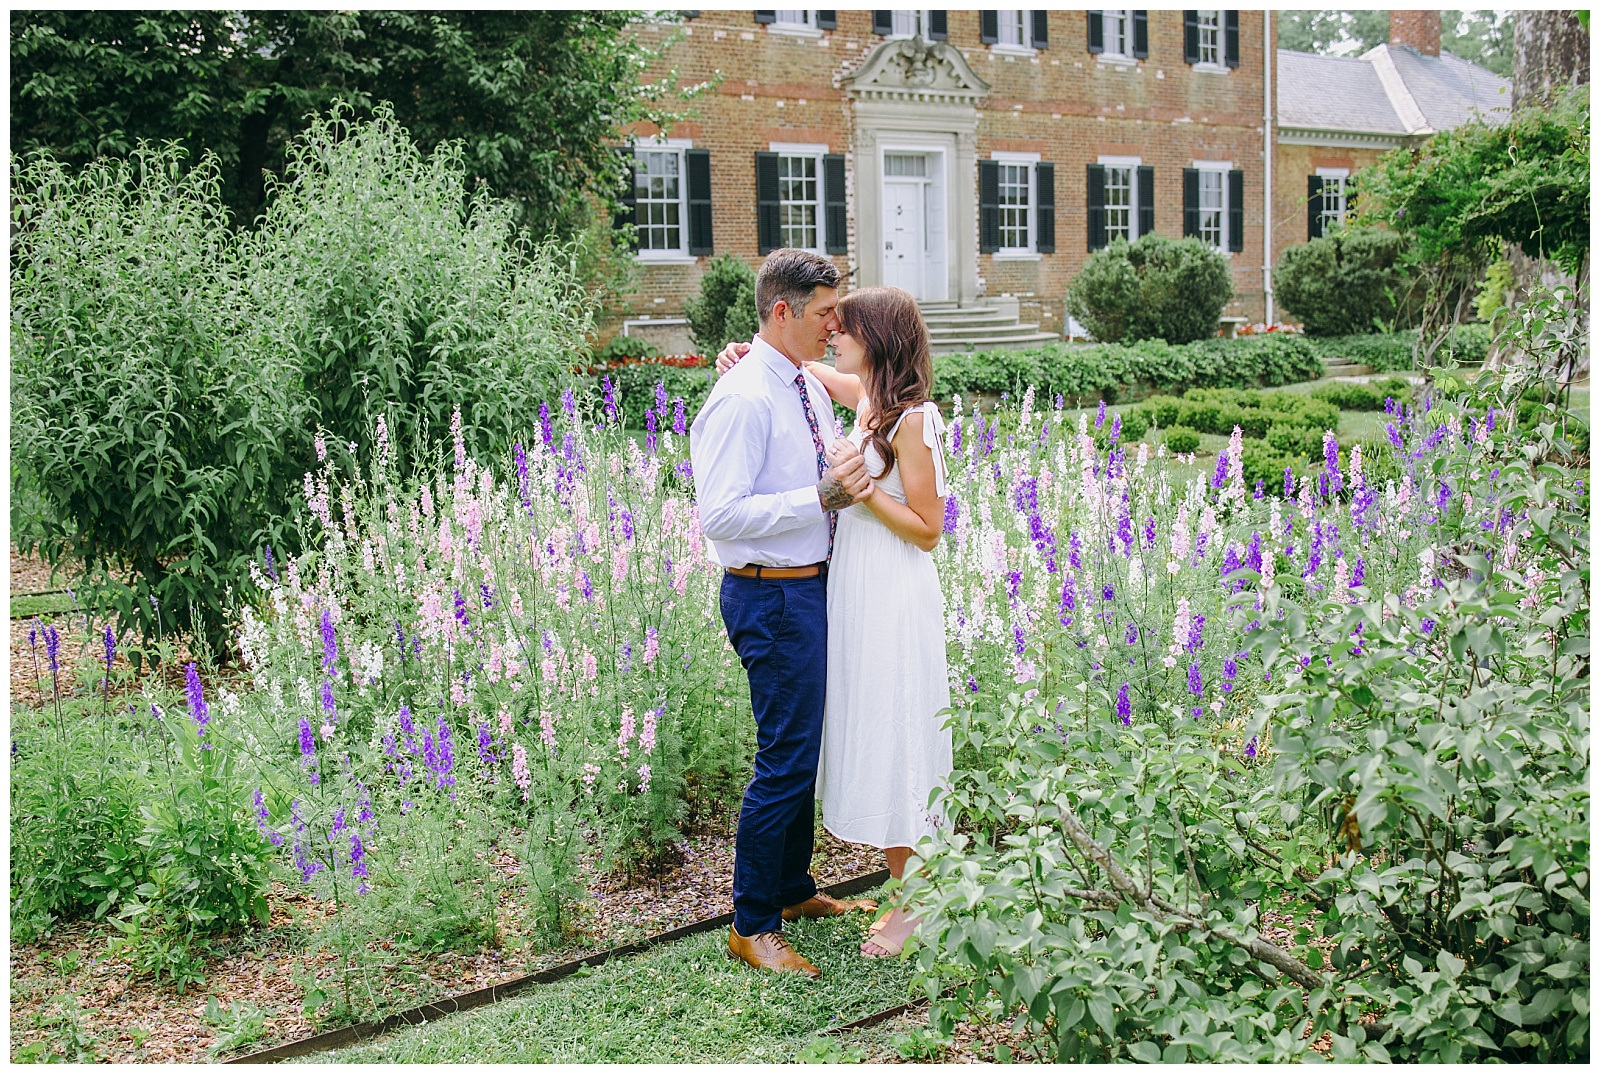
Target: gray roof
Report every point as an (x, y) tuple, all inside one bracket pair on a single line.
[(1449, 90), (1346, 93), (1340, 93)]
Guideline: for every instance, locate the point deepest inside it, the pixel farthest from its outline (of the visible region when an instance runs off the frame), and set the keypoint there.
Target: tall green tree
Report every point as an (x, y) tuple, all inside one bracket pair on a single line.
[(1481, 37), (535, 97)]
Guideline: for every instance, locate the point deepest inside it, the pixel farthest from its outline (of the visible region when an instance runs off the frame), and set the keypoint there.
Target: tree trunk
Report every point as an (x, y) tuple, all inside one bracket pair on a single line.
[(1550, 52)]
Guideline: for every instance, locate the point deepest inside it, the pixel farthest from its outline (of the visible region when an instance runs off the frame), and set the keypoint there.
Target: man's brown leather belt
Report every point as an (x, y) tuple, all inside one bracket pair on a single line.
[(755, 570)]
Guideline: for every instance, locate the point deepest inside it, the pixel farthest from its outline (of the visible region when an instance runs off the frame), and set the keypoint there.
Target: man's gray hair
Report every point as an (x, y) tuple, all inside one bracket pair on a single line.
[(790, 276)]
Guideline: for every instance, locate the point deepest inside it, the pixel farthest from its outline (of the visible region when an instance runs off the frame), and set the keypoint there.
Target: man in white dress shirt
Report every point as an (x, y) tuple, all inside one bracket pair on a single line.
[(769, 474)]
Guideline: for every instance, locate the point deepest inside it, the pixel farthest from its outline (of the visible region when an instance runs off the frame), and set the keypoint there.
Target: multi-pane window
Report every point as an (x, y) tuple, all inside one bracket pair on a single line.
[(1016, 188), (908, 24), (1213, 208), (1119, 203), (795, 18), (1334, 201), (799, 202), (905, 164), (1118, 29), (658, 192), (1209, 26), (1013, 27)]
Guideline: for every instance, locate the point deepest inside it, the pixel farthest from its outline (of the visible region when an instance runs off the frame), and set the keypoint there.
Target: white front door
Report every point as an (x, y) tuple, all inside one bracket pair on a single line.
[(905, 234)]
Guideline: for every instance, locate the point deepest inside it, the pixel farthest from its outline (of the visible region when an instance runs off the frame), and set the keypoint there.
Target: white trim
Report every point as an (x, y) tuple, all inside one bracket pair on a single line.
[(1107, 56), (797, 149), (1133, 164), (1212, 165), (1211, 68), (792, 30), (1333, 173), (650, 322), (1029, 251), (656, 141), (1341, 139), (1019, 254), (1024, 47), (1015, 158), (1222, 168), (1394, 85), (924, 19), (1120, 162)]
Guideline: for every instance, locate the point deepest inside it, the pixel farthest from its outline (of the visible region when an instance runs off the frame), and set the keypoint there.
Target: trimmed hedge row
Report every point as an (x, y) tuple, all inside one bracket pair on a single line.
[(1109, 370), (1391, 351)]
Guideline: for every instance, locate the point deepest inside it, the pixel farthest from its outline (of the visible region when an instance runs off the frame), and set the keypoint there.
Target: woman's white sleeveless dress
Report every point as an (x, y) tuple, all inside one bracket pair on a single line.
[(884, 746)]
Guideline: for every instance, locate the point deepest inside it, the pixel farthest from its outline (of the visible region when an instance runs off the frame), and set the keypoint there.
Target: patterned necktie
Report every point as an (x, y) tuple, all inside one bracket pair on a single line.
[(822, 454)]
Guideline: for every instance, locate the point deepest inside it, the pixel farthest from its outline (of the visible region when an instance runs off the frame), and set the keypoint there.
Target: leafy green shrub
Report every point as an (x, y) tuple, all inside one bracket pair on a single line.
[(1265, 463), (1130, 424), (726, 308), (1154, 288), (1162, 410), (1298, 440), (1181, 439), (621, 348), (1348, 395), (1382, 351), (1254, 361), (1344, 282), (1202, 417)]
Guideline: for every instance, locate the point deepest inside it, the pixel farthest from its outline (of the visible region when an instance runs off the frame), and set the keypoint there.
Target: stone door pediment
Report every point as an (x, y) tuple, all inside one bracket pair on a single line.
[(914, 70)]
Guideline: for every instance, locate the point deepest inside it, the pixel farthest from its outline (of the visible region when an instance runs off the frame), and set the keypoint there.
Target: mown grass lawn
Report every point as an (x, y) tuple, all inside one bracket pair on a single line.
[(687, 1002)]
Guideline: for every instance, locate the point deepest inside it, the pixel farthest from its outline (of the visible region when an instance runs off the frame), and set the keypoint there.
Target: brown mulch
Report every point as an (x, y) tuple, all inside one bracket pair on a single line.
[(30, 574), (262, 966)]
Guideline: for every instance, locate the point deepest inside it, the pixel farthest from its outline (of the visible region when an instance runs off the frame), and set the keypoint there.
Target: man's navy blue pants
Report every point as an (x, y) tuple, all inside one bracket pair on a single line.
[(779, 628)]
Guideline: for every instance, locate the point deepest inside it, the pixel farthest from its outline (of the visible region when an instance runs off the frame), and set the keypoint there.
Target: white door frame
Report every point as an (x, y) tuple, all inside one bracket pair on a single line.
[(950, 132), (934, 267)]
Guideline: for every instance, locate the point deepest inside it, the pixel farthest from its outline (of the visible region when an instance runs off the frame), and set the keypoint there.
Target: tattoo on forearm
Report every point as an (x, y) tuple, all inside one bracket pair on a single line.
[(833, 494)]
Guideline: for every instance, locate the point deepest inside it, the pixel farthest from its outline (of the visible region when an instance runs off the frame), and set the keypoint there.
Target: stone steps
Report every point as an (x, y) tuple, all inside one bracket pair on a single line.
[(993, 325), (1348, 370)]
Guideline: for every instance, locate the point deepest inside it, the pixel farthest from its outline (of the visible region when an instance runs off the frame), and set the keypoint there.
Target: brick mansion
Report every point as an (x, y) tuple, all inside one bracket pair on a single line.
[(976, 158)]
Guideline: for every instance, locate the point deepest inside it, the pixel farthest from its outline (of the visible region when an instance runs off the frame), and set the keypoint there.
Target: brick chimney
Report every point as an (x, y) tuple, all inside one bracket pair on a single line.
[(1419, 29)]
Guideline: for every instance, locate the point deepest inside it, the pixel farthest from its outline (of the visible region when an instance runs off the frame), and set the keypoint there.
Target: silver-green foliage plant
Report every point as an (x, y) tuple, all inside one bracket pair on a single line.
[(168, 370), (142, 409), (1376, 842), (388, 285)]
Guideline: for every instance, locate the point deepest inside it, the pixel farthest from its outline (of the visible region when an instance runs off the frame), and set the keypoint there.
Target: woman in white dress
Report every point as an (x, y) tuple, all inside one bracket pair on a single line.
[(884, 746)]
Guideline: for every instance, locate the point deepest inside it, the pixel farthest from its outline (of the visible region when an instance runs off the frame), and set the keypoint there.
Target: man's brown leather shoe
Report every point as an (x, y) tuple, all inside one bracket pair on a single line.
[(824, 905), (769, 951)]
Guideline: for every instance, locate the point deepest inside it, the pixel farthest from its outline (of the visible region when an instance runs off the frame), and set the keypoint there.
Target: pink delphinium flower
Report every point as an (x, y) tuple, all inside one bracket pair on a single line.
[(652, 646), (547, 668), (591, 667), (644, 779), (547, 730), (519, 769), (625, 733), (505, 721), (647, 734), (458, 695)]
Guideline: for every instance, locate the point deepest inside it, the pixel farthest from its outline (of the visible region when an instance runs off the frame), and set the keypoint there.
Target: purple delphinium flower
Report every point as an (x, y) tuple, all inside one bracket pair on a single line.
[(1330, 462), (1013, 583), (680, 416), (1196, 684), (1020, 638), (1100, 415), (1220, 478), (327, 701), (1428, 625), (1150, 532), (610, 400), (308, 741), (1359, 575), (1124, 706), (269, 833), (358, 863), (1230, 563), (1250, 748), (972, 684), (1107, 592), (487, 593), (523, 486), (650, 430), (197, 698), (1288, 483), (1261, 489), (1074, 555), (1252, 554), (308, 865), (586, 586), (400, 640), (330, 644), (1125, 535), (1116, 427), (110, 642), (1196, 639), (1230, 671), (661, 398), (1132, 636), (52, 647), (547, 434), (1196, 712), (952, 513), (485, 745), (955, 437), (272, 571), (1069, 600), (1394, 435)]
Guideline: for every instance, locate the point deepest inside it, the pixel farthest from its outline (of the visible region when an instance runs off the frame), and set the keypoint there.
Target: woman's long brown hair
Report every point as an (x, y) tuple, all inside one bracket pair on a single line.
[(899, 362)]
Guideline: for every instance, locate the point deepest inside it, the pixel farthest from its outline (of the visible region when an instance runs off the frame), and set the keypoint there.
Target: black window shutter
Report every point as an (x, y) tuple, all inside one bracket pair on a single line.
[(833, 200), (1191, 37), (989, 27), (1236, 210), (767, 229), (1044, 180), (1230, 35), (883, 23), (627, 214), (766, 16), (1313, 207), (1191, 202), (1097, 32), (1141, 35), (1147, 199), (827, 20), (939, 26), (1096, 199), (988, 205), (699, 168), (1041, 29)]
